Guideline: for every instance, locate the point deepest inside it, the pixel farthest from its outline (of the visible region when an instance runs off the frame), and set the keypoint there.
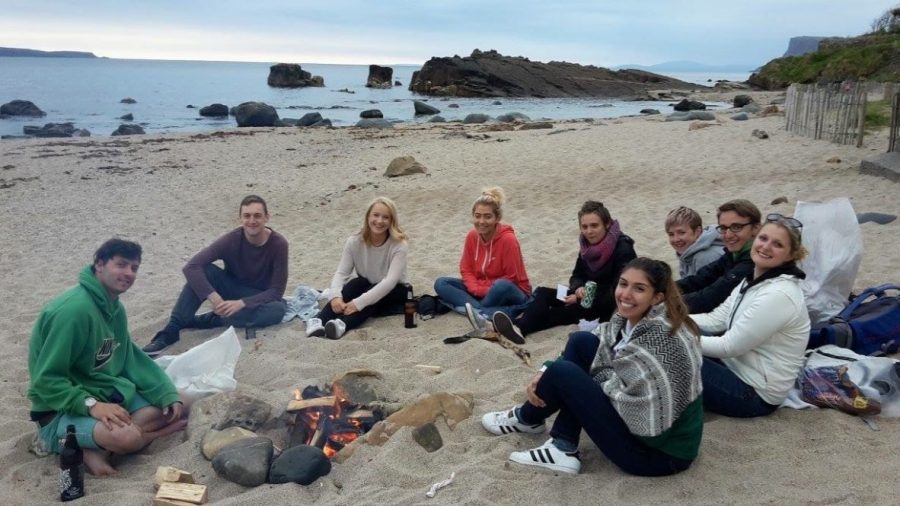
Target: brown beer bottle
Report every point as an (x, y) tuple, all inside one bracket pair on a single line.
[(409, 309), (71, 468)]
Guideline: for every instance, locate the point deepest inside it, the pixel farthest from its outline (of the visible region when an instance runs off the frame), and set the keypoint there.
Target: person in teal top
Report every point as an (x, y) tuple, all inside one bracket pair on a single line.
[(86, 371)]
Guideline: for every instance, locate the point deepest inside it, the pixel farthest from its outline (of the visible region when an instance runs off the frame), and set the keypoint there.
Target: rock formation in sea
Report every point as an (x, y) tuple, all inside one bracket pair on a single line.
[(290, 75), (379, 77), (490, 74)]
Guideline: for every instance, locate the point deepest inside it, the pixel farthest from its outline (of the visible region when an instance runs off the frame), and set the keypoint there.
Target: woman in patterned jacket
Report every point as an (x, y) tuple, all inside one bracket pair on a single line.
[(633, 385)]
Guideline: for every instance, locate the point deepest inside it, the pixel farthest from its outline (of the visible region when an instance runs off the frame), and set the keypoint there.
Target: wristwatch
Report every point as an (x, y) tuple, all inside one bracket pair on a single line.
[(90, 402)]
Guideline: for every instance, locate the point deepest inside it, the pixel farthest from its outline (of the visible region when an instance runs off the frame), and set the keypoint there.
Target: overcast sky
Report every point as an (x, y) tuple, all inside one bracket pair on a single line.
[(594, 32)]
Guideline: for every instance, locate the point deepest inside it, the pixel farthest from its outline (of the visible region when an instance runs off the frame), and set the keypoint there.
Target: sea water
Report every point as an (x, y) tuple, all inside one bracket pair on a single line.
[(87, 92)]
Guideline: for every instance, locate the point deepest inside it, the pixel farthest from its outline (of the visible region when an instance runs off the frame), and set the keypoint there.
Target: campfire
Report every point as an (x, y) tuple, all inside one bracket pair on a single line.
[(327, 419)]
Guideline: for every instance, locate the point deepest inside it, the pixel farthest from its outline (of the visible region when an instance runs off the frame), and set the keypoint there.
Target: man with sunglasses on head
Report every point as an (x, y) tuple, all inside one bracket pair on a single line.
[(246, 293), (739, 221)]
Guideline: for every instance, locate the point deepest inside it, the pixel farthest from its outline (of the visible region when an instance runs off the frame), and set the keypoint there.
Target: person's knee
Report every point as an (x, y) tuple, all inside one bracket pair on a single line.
[(270, 313), (123, 440), (560, 369), (504, 284), (582, 338), (440, 284)]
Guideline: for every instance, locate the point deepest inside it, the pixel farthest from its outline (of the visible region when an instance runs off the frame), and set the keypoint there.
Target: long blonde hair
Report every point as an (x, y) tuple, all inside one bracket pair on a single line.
[(395, 232), (493, 197)]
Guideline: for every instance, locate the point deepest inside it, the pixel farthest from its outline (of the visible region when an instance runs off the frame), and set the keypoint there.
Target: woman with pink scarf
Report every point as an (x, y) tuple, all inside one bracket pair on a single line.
[(604, 251)]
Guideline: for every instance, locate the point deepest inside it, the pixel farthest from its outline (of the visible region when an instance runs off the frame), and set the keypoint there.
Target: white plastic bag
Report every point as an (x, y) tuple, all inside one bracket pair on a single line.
[(832, 235), (205, 369)]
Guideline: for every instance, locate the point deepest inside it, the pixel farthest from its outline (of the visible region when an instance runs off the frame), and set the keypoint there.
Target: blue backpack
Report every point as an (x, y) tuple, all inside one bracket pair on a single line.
[(868, 327)]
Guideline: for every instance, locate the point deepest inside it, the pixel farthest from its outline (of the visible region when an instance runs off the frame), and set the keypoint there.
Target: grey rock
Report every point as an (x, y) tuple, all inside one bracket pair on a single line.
[(50, 130), (752, 108), (245, 462), (759, 134), (437, 119), (884, 164), (879, 218), (214, 440), (21, 108), (379, 77), (291, 75), (127, 117), (255, 114), (398, 83), (691, 115), (217, 110), (128, 129), (536, 126), (359, 388), (741, 100), (779, 200), (283, 122), (690, 105), (511, 117), (371, 113), (247, 412), (301, 464), (128, 100), (309, 118), (741, 116), (649, 111), (476, 118), (324, 123), (190, 106), (496, 102), (428, 437), (423, 108), (374, 123), (778, 100), (452, 106), (81, 132)]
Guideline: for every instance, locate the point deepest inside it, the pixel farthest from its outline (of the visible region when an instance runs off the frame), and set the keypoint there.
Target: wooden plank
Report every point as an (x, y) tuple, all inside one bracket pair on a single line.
[(318, 402), (184, 492), (169, 474), (170, 502)]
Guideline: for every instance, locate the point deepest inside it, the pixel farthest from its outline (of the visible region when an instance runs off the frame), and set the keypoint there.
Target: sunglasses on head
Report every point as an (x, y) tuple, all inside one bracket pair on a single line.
[(793, 223)]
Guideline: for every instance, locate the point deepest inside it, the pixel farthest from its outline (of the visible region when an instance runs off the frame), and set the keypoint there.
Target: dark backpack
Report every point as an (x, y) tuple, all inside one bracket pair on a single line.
[(429, 306), (868, 327)]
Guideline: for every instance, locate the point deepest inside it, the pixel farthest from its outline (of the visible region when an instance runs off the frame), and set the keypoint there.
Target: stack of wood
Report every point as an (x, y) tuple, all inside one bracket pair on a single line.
[(177, 488)]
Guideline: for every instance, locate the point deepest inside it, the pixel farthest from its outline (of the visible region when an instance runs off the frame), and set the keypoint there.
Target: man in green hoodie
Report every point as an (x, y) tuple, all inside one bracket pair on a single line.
[(86, 371)]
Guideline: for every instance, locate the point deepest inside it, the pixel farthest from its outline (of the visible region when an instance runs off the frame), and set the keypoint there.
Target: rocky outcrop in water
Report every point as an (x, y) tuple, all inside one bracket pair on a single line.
[(290, 75), (490, 74), (255, 114), (379, 77), (55, 130), (21, 108), (214, 110)]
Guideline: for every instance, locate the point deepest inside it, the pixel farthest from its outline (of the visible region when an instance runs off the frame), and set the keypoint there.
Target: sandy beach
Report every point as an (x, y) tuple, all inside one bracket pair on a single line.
[(175, 194)]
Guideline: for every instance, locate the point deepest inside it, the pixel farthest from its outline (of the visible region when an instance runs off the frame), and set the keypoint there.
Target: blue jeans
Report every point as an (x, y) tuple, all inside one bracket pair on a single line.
[(184, 312), (567, 388), (504, 296), (726, 394)]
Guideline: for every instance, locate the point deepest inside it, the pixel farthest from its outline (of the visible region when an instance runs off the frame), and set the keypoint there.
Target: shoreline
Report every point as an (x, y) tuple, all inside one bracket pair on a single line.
[(175, 193)]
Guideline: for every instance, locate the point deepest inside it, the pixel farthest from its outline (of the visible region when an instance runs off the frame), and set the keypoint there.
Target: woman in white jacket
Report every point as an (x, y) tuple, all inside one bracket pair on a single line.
[(753, 343)]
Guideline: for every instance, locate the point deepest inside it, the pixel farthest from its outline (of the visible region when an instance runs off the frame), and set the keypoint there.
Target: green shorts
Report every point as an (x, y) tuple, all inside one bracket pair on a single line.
[(54, 431)]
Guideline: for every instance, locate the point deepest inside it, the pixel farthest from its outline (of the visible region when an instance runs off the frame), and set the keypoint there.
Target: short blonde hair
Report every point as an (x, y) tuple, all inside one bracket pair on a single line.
[(684, 216), (395, 232), (493, 197)]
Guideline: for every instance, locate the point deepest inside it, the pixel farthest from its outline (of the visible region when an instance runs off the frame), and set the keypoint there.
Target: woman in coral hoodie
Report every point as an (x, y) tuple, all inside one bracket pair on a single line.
[(492, 269)]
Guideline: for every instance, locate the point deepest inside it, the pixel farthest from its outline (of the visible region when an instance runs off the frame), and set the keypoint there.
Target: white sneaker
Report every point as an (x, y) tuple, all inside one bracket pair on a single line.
[(549, 457), (314, 328), (479, 323), (505, 422), (335, 329)]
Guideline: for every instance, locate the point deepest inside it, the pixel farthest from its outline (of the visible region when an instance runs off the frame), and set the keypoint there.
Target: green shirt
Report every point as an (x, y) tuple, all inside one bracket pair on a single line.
[(80, 347), (682, 439)]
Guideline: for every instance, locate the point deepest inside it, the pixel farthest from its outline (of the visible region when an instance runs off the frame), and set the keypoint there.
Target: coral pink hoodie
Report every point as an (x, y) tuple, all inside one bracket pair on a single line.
[(483, 263)]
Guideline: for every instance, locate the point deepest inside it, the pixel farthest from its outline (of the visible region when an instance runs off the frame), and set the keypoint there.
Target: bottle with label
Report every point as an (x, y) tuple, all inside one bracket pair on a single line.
[(71, 468), (409, 308)]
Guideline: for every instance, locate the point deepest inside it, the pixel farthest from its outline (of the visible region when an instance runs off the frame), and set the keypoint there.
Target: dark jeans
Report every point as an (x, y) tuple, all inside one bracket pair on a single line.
[(390, 304), (726, 394), (503, 295), (567, 387), (546, 311), (184, 312)]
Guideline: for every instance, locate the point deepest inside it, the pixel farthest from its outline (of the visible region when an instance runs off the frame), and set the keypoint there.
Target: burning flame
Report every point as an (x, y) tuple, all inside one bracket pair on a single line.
[(332, 427)]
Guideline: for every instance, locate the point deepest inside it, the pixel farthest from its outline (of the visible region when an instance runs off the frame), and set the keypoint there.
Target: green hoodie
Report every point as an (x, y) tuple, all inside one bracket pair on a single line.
[(80, 347)]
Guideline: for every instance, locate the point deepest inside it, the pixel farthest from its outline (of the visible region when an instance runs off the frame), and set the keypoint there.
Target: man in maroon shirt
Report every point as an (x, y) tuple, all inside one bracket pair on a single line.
[(246, 293)]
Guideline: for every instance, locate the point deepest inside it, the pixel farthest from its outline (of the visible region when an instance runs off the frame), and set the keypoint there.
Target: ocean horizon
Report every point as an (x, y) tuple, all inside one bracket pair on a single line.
[(88, 91)]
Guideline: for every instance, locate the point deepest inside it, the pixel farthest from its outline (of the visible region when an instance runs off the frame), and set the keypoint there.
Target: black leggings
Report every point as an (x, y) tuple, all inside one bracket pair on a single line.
[(390, 304)]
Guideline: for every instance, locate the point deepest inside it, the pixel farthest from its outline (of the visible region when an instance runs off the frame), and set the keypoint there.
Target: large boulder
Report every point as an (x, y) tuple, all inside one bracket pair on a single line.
[(371, 113), (128, 129), (742, 100), (690, 105), (404, 166), (21, 108), (512, 117), (691, 116), (476, 118), (255, 114), (423, 108), (50, 130), (309, 119), (490, 74), (374, 123), (301, 464), (214, 110), (379, 77), (128, 100), (290, 75)]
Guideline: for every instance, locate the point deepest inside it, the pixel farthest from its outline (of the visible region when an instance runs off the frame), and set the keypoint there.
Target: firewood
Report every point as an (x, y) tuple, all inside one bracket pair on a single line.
[(436, 369), (168, 474), (170, 502), (318, 402), (182, 493)]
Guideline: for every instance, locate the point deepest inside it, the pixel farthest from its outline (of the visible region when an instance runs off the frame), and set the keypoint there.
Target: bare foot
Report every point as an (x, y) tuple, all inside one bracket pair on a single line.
[(96, 463)]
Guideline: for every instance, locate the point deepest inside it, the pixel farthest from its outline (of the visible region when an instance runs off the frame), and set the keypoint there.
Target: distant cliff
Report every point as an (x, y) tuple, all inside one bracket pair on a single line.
[(15, 51), (802, 45), (490, 74), (874, 57)]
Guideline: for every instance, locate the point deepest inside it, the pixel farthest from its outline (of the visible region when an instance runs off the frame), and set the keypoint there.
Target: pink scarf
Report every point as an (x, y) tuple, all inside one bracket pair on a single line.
[(597, 255)]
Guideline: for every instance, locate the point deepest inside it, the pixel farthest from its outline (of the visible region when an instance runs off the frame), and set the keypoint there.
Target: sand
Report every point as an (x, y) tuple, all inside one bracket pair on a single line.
[(176, 193)]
